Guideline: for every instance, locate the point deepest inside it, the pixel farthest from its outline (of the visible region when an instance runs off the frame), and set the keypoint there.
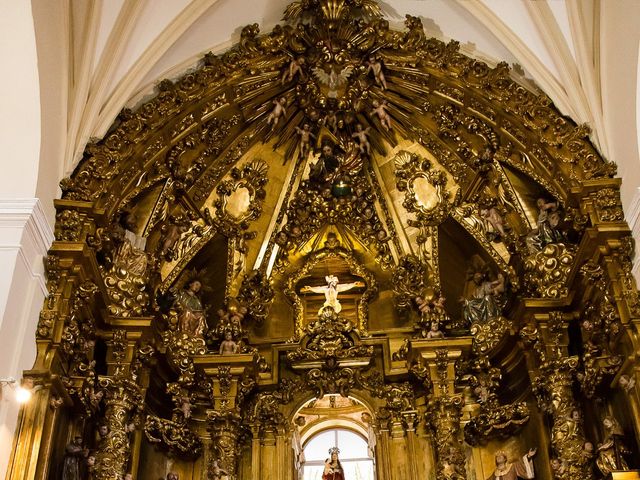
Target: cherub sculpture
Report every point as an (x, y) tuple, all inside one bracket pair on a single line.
[(380, 109), (279, 110), (294, 68), (434, 332), (362, 135), (306, 135), (375, 67), (228, 345)]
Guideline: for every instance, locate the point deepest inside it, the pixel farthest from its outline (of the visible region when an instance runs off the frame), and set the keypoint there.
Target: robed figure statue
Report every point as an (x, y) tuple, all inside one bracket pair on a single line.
[(332, 466)]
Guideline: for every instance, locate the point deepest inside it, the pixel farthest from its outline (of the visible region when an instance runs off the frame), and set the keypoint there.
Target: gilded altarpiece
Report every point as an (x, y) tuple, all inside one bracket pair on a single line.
[(338, 223)]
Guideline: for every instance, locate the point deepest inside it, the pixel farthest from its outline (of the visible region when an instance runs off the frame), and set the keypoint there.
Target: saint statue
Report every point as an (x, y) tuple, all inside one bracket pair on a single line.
[(296, 443), (482, 304), (191, 318), (331, 291), (75, 453), (522, 468), (548, 226), (332, 466), (130, 255), (612, 449)]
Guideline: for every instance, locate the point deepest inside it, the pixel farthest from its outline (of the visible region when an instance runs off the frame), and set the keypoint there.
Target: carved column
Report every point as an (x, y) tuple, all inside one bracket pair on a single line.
[(383, 451), (226, 373), (410, 422), (225, 428), (122, 400), (255, 452), (445, 404), (553, 387)]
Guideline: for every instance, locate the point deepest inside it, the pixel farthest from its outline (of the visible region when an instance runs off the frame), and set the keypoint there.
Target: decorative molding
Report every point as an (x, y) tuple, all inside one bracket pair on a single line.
[(24, 228)]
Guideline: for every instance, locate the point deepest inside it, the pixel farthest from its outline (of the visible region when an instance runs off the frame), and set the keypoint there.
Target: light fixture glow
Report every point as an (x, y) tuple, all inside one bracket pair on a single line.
[(23, 394)]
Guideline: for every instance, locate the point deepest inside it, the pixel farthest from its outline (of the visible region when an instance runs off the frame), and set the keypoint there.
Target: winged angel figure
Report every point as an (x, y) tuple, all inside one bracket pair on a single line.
[(332, 80)]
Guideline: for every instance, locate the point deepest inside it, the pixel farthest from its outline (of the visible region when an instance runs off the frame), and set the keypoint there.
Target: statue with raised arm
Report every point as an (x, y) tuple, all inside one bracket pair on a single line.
[(521, 468), (331, 291)]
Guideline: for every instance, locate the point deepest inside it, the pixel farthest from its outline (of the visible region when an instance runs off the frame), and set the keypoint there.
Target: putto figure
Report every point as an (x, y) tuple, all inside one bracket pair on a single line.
[(294, 68), (380, 110), (331, 291), (375, 67), (278, 111)]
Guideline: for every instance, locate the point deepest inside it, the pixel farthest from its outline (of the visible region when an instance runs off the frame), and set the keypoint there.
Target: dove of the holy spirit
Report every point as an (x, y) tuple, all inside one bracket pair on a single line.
[(333, 80)]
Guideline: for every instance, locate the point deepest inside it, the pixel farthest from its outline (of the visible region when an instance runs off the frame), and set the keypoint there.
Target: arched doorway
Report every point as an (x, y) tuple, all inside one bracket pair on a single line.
[(353, 450), (334, 421)]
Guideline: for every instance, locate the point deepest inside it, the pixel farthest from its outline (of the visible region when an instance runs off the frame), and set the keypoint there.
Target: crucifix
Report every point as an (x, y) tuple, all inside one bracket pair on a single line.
[(331, 291)]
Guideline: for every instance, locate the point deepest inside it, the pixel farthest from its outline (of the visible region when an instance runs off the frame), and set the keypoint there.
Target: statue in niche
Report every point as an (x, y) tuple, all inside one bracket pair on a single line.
[(75, 454), (191, 317), (434, 332), (324, 169), (493, 223), (612, 450), (332, 466), (228, 345), (521, 468), (371, 434), (482, 304), (547, 230), (130, 256), (217, 473), (331, 291)]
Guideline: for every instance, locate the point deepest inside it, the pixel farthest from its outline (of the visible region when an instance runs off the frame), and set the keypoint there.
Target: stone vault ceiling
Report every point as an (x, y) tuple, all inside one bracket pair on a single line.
[(106, 54)]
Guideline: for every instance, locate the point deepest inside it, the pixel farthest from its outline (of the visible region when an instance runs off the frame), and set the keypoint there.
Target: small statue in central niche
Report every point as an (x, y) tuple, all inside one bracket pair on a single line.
[(331, 291), (521, 468), (228, 345)]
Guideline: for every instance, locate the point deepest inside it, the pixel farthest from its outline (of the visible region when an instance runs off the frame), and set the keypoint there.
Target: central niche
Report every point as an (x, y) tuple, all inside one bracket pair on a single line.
[(334, 424), (333, 278)]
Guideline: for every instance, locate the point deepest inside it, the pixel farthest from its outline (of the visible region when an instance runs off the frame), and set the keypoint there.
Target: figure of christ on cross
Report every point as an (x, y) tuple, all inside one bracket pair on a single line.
[(331, 291)]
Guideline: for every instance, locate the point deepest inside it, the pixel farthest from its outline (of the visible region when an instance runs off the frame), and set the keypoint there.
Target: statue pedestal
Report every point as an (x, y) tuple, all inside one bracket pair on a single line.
[(630, 475), (226, 372)]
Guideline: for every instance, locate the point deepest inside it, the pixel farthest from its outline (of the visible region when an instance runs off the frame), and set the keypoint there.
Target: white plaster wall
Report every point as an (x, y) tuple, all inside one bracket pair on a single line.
[(25, 233)]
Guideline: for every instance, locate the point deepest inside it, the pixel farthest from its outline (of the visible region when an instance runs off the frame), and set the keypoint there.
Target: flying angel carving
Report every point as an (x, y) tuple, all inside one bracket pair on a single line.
[(332, 80)]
